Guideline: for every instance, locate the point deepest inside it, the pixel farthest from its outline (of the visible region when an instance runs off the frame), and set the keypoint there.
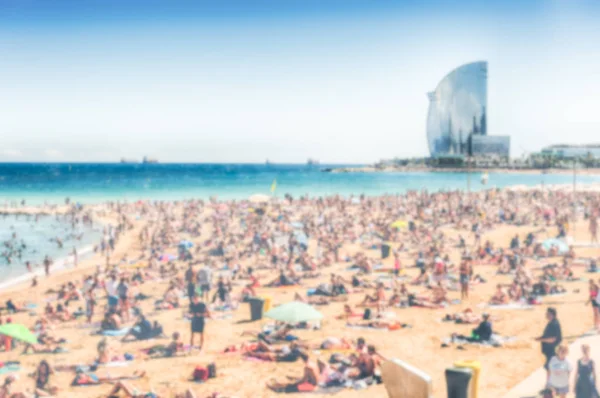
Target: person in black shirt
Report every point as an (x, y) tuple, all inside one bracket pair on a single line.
[(481, 333), (198, 311), (552, 336), (142, 330)]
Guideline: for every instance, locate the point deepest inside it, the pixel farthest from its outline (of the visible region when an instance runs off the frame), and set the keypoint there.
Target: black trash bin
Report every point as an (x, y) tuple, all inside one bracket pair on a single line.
[(256, 308), (385, 251), (458, 381)]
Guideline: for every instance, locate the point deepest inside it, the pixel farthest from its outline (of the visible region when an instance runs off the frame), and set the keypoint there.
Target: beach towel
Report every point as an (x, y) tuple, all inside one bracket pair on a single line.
[(495, 341), (9, 368), (386, 329), (115, 333), (510, 306)]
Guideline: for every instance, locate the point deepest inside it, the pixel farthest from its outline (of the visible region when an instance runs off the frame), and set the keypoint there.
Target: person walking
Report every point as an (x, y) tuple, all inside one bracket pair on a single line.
[(198, 312), (595, 303), (559, 372), (551, 337), (585, 375), (190, 278)]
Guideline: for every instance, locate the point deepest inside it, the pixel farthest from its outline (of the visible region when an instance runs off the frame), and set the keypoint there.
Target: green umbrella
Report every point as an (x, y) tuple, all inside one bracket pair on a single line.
[(19, 332), (294, 312)]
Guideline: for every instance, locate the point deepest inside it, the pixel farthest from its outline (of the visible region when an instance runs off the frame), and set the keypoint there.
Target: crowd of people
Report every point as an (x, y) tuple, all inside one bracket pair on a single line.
[(211, 256)]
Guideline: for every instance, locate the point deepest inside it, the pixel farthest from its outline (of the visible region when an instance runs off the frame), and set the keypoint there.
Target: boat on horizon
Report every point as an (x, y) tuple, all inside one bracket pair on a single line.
[(312, 162), (148, 160), (128, 161)]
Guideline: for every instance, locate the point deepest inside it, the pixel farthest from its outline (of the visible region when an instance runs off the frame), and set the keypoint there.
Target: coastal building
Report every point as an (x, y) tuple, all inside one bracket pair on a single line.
[(572, 151), (457, 117)]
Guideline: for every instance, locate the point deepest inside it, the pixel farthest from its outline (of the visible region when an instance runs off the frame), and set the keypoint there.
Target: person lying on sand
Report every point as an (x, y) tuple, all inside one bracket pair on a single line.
[(131, 391), (380, 324), (88, 378), (270, 337), (308, 382), (348, 313), (285, 353), (174, 348), (319, 300), (334, 343), (465, 317)]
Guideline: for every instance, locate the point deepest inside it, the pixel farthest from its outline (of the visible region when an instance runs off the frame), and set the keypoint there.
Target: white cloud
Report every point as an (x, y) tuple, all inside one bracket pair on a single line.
[(53, 153), (11, 153)]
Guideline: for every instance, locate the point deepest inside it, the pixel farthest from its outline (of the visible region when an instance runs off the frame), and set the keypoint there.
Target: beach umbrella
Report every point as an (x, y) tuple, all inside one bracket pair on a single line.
[(294, 312), (19, 332), (399, 224), (560, 245), (259, 198)]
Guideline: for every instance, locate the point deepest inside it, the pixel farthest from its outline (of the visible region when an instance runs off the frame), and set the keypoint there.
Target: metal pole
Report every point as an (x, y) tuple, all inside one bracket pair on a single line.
[(468, 175), (574, 198)]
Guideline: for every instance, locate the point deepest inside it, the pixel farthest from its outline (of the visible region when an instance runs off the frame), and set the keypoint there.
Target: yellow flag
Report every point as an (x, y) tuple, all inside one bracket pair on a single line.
[(274, 186)]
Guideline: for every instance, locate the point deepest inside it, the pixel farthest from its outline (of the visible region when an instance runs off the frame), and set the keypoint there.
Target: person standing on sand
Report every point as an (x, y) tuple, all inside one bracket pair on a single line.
[(585, 375), (204, 277), (595, 305), (198, 311), (559, 371), (190, 277), (551, 337), (465, 276), (594, 226)]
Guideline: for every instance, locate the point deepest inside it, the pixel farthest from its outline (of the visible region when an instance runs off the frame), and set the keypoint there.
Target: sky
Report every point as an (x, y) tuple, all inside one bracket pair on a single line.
[(342, 81)]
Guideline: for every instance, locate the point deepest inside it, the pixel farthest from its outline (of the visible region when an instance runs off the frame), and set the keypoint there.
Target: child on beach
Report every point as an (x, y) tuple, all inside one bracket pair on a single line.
[(559, 372)]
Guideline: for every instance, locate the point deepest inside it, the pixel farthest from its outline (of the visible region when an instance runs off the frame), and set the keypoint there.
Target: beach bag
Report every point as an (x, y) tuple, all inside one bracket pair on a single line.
[(367, 314), (200, 374), (212, 370)]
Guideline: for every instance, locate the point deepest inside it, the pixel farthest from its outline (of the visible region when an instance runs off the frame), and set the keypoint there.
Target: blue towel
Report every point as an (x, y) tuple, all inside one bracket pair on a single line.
[(9, 368), (115, 333), (311, 292), (290, 337)]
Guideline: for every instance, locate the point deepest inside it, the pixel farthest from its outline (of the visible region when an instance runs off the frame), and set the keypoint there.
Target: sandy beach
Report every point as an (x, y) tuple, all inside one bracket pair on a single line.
[(418, 345)]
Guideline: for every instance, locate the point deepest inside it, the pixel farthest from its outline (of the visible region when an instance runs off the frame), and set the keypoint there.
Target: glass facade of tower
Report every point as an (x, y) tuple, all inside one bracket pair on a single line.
[(457, 110)]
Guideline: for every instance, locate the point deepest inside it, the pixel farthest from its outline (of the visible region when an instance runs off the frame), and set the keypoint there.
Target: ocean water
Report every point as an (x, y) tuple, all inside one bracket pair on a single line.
[(92, 183), (35, 237)]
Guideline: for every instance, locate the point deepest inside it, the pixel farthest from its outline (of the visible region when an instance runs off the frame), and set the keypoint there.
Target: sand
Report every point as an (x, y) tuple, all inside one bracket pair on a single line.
[(502, 368)]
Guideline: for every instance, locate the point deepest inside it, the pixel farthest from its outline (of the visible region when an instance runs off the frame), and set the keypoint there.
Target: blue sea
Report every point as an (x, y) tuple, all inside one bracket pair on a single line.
[(51, 183), (39, 183)]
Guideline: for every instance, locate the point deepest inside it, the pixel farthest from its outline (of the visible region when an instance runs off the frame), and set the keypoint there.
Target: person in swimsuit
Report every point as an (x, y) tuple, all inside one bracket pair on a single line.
[(42, 380), (585, 375), (595, 306), (289, 353), (465, 273), (307, 383)]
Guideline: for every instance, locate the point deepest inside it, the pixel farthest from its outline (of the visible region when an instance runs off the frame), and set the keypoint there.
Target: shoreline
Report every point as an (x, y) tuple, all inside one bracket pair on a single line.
[(61, 265)]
